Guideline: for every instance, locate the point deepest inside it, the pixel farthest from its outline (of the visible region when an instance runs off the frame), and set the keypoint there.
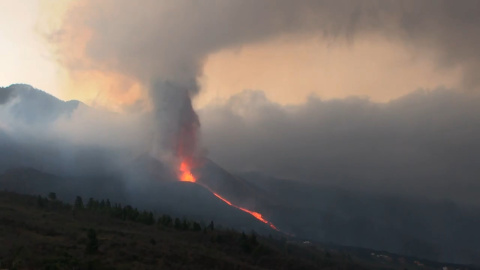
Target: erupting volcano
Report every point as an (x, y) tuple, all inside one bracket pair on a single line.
[(180, 137), (186, 175)]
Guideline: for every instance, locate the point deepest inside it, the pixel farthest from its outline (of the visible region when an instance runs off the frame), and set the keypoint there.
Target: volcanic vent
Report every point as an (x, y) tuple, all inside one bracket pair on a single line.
[(178, 128), (185, 174)]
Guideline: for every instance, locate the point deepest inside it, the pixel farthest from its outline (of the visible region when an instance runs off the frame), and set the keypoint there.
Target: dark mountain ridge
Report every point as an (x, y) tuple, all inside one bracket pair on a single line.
[(34, 106)]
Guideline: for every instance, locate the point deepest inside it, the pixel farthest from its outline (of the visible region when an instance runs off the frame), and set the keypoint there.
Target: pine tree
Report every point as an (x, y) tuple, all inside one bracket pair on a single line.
[(92, 244), (52, 196), (211, 226), (102, 205), (253, 239), (185, 224), (150, 219), (78, 203), (244, 243), (196, 226), (165, 220), (91, 204), (40, 201), (177, 224)]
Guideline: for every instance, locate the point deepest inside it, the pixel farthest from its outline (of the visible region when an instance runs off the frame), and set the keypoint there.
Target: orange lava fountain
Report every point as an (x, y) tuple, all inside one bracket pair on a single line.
[(185, 175)]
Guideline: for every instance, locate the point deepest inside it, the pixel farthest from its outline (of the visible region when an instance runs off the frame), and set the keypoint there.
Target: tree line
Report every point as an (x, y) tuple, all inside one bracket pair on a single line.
[(126, 213)]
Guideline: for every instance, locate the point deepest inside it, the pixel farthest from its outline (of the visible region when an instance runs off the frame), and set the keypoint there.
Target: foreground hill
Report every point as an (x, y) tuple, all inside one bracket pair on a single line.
[(45, 233), (156, 194)]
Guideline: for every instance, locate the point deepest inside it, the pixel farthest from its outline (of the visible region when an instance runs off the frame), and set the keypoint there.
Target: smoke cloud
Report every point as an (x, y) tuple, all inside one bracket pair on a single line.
[(423, 144), (176, 120), (168, 41)]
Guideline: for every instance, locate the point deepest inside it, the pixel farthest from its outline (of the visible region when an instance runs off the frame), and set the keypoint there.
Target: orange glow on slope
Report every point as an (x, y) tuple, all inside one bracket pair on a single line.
[(254, 214), (186, 175)]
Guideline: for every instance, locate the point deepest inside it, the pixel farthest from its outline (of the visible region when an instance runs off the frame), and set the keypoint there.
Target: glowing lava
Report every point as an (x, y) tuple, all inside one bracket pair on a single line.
[(253, 213), (185, 175)]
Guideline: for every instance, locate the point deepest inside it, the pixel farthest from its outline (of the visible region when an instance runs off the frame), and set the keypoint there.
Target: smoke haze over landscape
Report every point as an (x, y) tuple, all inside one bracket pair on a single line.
[(400, 155), (422, 144)]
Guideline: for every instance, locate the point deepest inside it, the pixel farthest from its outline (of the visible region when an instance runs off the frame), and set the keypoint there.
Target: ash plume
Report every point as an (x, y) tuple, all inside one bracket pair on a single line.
[(177, 133), (168, 41)]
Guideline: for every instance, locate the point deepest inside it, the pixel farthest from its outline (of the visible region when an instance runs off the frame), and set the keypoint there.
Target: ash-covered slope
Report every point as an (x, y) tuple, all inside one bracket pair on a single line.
[(151, 168), (154, 184), (155, 193), (146, 182), (233, 187)]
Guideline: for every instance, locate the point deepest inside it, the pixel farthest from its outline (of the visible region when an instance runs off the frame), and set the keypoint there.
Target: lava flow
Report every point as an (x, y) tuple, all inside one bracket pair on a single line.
[(186, 175), (253, 213)]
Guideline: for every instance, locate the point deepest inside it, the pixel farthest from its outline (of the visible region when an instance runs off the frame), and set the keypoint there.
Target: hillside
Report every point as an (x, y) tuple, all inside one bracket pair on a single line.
[(33, 163), (155, 194), (37, 232)]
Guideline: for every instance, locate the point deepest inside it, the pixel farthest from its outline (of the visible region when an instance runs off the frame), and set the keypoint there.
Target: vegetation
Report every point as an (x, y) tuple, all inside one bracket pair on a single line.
[(45, 233)]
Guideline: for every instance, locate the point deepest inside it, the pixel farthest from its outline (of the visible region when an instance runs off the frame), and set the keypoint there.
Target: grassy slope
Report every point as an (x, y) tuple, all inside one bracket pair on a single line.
[(54, 236)]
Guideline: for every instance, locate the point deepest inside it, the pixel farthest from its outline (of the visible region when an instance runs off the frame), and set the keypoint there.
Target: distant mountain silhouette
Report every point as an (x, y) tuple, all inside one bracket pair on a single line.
[(34, 106)]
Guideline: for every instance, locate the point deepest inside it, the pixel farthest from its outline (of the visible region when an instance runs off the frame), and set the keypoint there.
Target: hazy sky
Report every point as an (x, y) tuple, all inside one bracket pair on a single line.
[(287, 66), (25, 56), (313, 66)]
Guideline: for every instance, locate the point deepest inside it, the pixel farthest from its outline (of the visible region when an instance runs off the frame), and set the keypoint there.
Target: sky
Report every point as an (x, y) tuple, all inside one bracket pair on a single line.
[(25, 56), (311, 64)]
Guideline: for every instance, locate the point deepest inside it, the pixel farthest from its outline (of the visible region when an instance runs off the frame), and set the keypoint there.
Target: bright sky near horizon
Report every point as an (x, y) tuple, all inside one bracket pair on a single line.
[(25, 57)]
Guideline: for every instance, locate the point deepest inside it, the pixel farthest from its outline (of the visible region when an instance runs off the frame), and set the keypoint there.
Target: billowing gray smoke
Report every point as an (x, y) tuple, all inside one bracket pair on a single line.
[(167, 41), (170, 39), (423, 144), (173, 109)]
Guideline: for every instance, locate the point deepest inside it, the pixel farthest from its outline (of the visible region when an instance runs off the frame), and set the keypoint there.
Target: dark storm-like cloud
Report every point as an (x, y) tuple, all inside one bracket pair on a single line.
[(423, 144), (165, 43), (169, 40)]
